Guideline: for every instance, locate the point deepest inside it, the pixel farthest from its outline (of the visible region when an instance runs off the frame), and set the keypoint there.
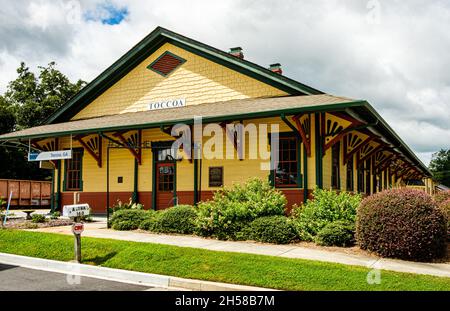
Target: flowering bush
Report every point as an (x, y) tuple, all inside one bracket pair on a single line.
[(445, 206), (232, 209), (326, 207), (402, 223), (119, 205)]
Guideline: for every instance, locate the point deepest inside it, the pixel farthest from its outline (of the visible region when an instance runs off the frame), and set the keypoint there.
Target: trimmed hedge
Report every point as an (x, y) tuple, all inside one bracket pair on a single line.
[(232, 209), (128, 219), (402, 223), (338, 233), (271, 229), (178, 219)]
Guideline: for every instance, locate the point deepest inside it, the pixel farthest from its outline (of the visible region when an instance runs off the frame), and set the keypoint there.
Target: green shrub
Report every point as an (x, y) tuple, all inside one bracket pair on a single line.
[(119, 205), (178, 219), (402, 223), (233, 208), (128, 219), (271, 229), (326, 207), (338, 233), (149, 224), (442, 196), (37, 218), (55, 215), (87, 218)]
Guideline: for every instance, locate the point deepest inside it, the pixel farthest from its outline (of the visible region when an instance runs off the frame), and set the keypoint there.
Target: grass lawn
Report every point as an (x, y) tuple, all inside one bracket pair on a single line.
[(246, 269)]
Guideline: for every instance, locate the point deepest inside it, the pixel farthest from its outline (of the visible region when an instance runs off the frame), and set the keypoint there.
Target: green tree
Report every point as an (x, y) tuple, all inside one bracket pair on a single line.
[(440, 166), (36, 98), (28, 101), (7, 117)]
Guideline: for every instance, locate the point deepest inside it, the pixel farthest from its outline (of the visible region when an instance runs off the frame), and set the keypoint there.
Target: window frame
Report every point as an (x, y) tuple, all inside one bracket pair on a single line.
[(298, 142), (66, 181), (337, 162)]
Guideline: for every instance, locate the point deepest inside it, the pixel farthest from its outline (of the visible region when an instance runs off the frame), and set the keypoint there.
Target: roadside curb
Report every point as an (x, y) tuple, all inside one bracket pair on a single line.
[(125, 276)]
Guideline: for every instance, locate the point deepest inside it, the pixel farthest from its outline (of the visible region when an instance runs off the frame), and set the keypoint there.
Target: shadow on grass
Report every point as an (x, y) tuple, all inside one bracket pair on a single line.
[(99, 260)]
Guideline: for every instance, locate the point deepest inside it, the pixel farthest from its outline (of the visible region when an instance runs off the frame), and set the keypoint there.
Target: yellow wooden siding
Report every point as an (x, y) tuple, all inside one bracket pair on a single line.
[(198, 80)]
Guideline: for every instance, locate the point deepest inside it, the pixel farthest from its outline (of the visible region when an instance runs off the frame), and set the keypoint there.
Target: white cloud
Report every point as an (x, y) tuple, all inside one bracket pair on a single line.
[(398, 61)]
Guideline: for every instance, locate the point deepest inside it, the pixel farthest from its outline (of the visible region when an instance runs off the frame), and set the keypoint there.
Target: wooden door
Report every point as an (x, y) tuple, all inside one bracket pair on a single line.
[(165, 185)]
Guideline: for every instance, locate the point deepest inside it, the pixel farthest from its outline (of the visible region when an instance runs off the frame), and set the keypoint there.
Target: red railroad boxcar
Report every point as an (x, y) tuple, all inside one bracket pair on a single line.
[(26, 193)]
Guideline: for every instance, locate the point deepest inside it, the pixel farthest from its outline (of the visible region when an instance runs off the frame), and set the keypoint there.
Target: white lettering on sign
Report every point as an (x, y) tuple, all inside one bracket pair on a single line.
[(167, 104), (76, 210), (50, 155)]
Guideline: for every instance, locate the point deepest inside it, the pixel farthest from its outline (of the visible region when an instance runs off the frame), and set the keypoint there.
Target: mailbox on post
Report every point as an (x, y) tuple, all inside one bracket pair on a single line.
[(75, 212)]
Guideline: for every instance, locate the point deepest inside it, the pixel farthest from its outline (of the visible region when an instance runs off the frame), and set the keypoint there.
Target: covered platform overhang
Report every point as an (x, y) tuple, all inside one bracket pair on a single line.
[(234, 110)]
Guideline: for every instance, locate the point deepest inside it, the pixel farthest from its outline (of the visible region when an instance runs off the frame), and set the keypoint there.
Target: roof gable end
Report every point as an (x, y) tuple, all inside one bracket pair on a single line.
[(149, 45)]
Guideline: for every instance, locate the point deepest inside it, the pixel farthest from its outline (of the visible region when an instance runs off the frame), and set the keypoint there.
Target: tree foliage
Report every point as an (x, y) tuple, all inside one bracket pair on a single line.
[(440, 166), (36, 98), (29, 100)]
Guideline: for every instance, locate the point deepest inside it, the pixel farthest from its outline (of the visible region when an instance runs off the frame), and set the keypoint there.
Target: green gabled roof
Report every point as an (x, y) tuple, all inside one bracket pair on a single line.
[(150, 44)]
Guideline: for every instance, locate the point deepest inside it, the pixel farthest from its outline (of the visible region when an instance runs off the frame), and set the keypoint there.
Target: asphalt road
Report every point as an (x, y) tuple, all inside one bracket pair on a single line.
[(13, 278)]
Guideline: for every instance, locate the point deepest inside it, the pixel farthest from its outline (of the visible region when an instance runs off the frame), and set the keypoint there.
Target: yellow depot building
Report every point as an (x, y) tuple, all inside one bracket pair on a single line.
[(174, 120)]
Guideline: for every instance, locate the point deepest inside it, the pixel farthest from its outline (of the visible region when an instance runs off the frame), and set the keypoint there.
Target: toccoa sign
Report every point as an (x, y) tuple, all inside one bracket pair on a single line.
[(167, 104)]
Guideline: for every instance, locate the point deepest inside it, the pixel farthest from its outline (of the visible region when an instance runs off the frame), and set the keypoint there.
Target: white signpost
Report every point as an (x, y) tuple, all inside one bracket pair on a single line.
[(76, 211), (50, 155)]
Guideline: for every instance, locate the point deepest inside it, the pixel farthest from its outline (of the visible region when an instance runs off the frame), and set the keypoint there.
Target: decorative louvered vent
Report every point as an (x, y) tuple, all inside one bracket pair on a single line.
[(166, 64)]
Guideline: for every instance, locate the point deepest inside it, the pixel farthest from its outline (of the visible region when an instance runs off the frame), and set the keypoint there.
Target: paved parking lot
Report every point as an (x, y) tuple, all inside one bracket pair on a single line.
[(14, 278)]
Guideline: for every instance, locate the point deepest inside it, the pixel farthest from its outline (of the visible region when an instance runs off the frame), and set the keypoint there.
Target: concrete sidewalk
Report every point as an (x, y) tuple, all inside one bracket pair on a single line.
[(99, 230)]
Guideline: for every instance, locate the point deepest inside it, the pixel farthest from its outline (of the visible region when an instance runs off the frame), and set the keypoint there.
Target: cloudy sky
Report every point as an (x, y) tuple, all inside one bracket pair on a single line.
[(393, 53)]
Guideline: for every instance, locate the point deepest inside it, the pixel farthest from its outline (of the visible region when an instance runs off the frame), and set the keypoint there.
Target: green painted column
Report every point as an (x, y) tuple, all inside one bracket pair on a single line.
[(58, 187), (135, 195), (305, 174), (318, 153), (154, 155), (52, 198), (196, 199)]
